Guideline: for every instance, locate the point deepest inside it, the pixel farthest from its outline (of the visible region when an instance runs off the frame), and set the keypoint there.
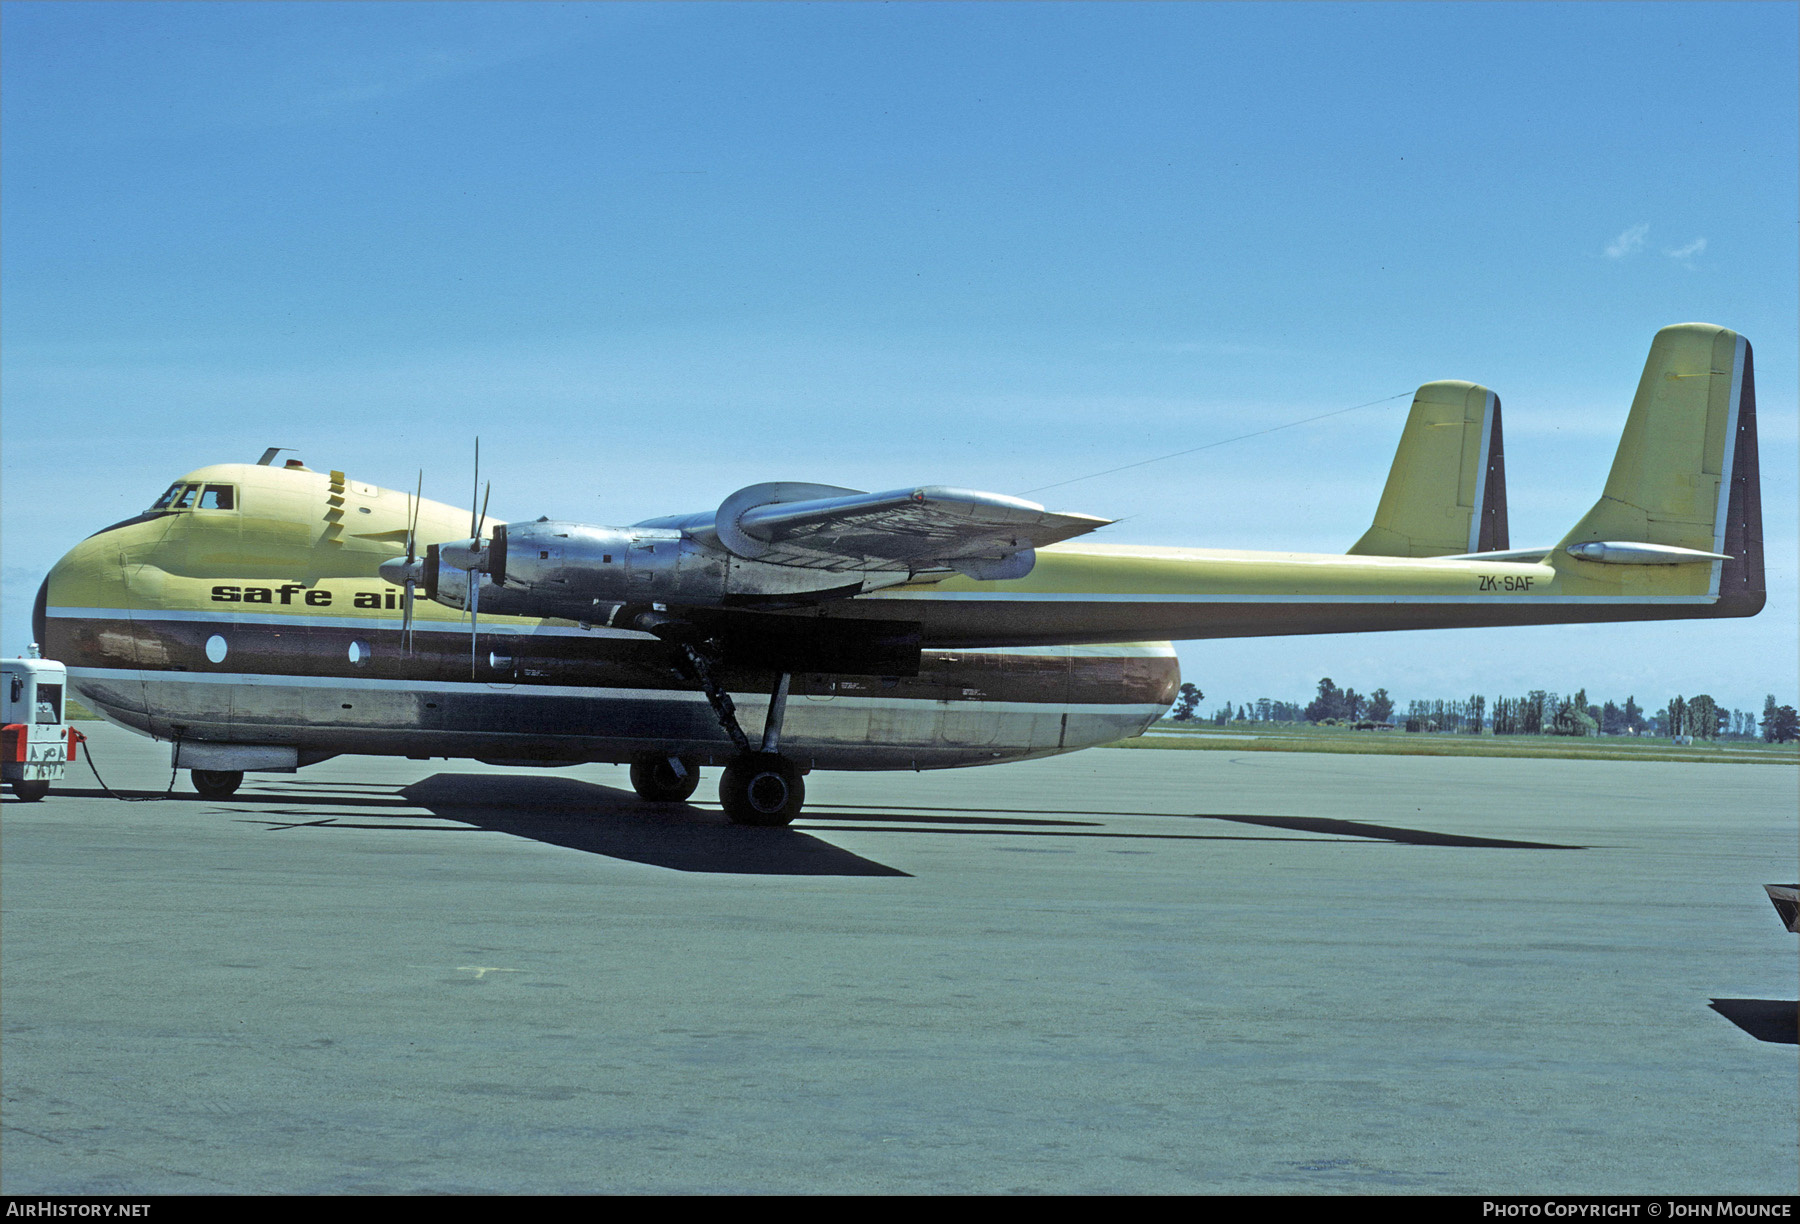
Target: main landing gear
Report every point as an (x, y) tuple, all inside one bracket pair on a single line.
[(217, 783), (664, 779), (760, 786)]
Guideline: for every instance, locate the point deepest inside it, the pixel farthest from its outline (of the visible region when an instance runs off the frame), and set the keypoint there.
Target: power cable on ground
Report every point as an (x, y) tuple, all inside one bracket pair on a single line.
[(111, 793)]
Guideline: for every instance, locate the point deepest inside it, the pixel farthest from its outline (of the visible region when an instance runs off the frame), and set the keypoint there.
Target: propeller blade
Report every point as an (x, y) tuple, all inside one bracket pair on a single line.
[(483, 522), (474, 616), (412, 518), (474, 527), (413, 502)]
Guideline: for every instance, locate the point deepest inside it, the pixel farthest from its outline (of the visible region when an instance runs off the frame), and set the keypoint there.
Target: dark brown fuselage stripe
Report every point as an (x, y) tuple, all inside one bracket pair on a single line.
[(298, 648)]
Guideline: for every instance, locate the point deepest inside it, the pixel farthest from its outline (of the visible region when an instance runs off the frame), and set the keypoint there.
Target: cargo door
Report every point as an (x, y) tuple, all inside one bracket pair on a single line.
[(973, 683)]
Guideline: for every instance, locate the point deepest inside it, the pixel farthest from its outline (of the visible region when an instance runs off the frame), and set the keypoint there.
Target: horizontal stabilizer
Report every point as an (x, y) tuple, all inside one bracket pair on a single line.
[(1446, 493)]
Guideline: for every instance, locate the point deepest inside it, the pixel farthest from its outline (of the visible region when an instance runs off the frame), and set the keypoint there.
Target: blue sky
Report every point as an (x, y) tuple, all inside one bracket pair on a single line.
[(652, 253)]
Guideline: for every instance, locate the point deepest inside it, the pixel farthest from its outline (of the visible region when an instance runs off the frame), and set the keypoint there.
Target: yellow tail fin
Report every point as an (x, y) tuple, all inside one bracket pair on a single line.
[(1685, 478), (1446, 493)]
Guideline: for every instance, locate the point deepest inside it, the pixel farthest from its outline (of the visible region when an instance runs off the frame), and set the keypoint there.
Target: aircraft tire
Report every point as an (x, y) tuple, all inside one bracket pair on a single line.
[(30, 792), (762, 789), (217, 783), (655, 782)]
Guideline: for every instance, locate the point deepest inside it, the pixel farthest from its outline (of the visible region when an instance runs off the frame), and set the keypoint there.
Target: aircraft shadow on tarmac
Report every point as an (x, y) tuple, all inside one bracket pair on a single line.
[(1773, 1020), (1324, 828), (1390, 833), (594, 819), (602, 820)]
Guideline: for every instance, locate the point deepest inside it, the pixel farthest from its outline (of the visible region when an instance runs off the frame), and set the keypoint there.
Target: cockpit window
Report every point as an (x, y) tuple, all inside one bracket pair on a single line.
[(185, 496)]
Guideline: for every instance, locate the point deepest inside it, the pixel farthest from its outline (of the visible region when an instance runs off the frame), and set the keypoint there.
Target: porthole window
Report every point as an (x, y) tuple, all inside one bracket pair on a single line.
[(359, 652), (216, 648)]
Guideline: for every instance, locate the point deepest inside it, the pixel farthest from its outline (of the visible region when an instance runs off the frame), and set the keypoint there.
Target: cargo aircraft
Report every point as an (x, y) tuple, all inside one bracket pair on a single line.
[(266, 616)]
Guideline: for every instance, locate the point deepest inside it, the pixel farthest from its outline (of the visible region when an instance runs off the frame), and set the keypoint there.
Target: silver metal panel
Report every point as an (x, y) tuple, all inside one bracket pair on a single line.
[(186, 754), (924, 527), (477, 720)]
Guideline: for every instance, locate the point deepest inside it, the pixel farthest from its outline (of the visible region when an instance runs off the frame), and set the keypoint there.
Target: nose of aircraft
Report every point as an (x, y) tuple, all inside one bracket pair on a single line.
[(37, 610)]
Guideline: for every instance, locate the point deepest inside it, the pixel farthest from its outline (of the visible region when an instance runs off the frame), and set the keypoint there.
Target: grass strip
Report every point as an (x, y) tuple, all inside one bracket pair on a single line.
[(1374, 744)]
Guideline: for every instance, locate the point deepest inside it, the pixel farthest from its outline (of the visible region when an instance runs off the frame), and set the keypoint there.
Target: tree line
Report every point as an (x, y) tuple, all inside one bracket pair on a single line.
[(1538, 712)]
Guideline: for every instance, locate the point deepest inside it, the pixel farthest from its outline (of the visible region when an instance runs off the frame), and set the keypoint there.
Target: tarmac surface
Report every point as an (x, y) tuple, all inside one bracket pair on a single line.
[(1108, 972)]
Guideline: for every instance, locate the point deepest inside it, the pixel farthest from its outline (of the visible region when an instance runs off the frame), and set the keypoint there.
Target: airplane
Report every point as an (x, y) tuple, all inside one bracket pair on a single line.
[(265, 617)]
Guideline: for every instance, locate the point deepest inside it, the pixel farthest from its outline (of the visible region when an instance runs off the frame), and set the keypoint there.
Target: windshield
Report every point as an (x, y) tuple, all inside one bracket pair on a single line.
[(185, 496)]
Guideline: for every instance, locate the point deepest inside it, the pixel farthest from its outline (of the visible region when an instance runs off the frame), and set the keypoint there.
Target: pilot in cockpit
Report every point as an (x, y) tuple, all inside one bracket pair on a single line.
[(185, 496)]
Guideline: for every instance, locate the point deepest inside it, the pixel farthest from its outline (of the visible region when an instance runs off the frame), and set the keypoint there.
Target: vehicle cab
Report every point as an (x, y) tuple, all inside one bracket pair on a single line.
[(36, 743)]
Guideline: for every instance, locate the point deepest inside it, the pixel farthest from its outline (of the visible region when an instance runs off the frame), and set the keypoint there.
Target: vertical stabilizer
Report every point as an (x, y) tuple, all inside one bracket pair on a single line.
[(1685, 478), (1446, 493)]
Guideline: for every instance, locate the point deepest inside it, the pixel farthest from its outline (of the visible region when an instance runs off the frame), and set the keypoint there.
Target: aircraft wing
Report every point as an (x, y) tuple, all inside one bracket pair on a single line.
[(924, 528)]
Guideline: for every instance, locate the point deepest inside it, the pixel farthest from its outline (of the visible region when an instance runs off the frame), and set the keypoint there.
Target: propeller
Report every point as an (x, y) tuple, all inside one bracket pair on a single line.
[(467, 555), (470, 557), (410, 572), (477, 563), (474, 523), (412, 540)]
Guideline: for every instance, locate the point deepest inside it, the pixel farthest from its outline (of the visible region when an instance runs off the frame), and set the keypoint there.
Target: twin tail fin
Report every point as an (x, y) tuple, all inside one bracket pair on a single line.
[(1682, 505), (1446, 493)]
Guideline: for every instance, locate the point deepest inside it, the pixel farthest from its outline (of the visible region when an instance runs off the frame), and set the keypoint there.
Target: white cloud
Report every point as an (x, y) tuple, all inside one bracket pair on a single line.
[(1630, 242), (1684, 255)]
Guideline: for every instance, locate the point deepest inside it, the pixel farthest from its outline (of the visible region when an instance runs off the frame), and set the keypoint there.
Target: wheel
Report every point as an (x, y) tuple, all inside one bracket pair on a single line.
[(217, 783), (655, 780), (30, 792), (762, 789)]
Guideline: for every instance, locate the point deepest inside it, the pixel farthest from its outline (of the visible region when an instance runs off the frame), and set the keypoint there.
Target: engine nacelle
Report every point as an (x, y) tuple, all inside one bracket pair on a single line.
[(580, 572), (569, 565)]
